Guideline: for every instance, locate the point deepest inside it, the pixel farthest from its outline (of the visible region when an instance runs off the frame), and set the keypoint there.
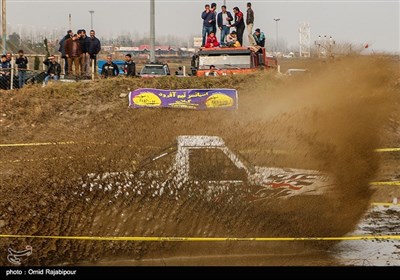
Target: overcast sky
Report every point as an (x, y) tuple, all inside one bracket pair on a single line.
[(359, 22)]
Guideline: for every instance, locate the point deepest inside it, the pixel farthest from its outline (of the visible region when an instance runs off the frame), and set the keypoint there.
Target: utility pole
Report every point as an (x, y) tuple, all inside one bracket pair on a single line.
[(4, 25), (152, 32), (91, 19), (20, 34), (276, 38), (70, 22), (304, 39)]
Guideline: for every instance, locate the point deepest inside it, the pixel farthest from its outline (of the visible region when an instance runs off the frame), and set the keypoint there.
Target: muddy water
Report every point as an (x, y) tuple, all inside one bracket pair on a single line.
[(377, 221)]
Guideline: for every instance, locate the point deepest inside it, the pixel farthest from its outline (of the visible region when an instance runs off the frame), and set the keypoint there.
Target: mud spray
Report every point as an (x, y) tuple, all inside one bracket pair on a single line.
[(329, 119)]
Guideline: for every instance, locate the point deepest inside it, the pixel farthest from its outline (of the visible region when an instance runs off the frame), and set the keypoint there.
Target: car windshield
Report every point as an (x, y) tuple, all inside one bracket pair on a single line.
[(225, 61)]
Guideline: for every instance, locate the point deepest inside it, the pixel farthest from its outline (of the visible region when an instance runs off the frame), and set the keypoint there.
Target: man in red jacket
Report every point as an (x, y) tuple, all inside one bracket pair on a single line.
[(73, 51)]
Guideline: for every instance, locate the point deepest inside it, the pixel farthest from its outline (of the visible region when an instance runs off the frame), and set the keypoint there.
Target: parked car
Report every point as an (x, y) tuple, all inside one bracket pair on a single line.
[(295, 71), (155, 70)]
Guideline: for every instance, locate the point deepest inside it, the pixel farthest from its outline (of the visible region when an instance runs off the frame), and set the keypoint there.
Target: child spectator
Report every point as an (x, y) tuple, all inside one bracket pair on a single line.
[(212, 41)]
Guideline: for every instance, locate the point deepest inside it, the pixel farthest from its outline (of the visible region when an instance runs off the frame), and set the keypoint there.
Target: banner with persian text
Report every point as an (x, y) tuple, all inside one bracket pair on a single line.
[(199, 99)]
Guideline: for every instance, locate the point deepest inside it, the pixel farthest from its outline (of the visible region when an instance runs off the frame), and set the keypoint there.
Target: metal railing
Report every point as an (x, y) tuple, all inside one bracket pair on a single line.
[(10, 78), (36, 72)]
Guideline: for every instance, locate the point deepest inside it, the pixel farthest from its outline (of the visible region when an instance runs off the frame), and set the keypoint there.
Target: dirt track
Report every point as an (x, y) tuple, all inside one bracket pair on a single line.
[(332, 119)]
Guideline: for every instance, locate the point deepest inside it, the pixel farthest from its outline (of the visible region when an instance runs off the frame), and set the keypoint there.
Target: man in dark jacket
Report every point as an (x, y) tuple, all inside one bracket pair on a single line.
[(249, 19), (5, 68), (209, 19), (224, 19), (214, 10), (22, 63), (110, 69), (94, 49), (85, 57), (61, 49), (239, 24), (53, 69), (129, 66)]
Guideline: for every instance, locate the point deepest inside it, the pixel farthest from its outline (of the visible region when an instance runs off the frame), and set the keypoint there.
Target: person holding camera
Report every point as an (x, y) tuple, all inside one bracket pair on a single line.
[(22, 63), (53, 70), (109, 69)]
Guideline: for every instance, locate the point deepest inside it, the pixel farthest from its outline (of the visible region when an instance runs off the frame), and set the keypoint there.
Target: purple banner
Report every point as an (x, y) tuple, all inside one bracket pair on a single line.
[(199, 99)]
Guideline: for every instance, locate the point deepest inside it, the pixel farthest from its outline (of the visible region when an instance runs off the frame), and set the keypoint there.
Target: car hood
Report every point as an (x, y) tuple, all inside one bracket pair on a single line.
[(151, 75)]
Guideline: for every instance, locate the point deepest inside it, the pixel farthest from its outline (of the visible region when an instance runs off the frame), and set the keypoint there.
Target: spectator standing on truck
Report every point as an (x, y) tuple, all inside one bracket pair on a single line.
[(259, 37), (53, 69), (208, 22), (109, 69), (249, 19), (239, 24), (61, 49), (214, 10), (73, 52), (224, 19), (212, 41), (129, 66), (22, 64), (94, 49)]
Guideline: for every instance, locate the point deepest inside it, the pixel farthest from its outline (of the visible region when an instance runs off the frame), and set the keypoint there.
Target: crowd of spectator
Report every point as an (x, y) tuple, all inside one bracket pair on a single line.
[(225, 21)]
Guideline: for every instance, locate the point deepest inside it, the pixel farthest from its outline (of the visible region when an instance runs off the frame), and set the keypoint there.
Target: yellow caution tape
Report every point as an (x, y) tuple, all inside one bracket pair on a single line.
[(32, 160), (212, 239), (69, 143), (384, 204), (382, 150), (39, 144), (43, 159), (206, 239), (389, 183)]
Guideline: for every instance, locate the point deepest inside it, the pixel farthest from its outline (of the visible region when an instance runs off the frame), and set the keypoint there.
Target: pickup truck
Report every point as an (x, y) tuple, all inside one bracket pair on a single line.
[(155, 70), (204, 165)]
